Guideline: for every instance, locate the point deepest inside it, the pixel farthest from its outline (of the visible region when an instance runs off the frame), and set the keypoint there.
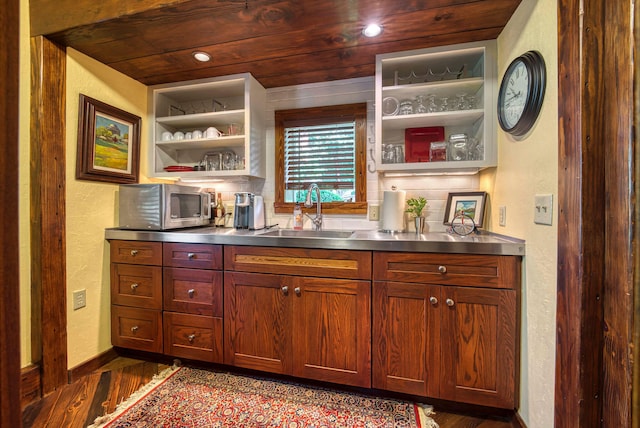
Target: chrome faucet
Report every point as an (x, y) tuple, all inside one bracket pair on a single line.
[(317, 222)]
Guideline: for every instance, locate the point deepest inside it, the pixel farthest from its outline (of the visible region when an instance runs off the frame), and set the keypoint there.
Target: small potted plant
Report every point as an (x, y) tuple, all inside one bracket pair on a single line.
[(415, 208)]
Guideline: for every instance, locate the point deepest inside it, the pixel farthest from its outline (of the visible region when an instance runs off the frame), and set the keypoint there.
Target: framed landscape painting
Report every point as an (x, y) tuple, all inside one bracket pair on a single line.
[(470, 203), (108, 143)]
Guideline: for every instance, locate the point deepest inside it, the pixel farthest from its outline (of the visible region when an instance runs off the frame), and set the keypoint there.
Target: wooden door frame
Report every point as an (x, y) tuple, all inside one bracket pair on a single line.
[(587, 273), (596, 115), (48, 219), (10, 415)]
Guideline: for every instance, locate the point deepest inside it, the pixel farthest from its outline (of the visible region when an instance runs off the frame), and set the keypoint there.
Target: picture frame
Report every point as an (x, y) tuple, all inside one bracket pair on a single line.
[(473, 203), (108, 143)]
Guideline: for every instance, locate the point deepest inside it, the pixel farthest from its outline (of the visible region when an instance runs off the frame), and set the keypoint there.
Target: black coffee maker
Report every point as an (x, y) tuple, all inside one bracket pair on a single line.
[(248, 212)]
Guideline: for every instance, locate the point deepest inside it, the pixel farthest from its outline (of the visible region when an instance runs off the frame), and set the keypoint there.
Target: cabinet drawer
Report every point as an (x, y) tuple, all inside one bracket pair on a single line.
[(135, 328), (193, 336), (299, 261), (193, 291), (454, 269), (136, 252), (135, 285), (198, 256)]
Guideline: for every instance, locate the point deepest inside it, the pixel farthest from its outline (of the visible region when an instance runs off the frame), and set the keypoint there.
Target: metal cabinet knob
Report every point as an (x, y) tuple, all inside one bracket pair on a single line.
[(297, 290), (191, 338), (191, 293), (285, 289), (134, 286), (191, 255), (433, 300), (442, 269), (450, 302), (134, 329), (134, 253)]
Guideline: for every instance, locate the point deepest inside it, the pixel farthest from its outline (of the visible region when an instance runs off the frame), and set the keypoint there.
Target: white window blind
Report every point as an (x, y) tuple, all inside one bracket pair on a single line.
[(320, 153)]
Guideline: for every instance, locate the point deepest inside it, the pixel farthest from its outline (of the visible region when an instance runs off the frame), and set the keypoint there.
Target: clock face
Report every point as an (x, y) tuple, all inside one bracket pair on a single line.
[(515, 95), (521, 93)]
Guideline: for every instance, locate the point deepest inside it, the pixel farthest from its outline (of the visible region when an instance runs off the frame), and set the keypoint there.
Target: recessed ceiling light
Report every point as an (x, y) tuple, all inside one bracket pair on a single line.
[(202, 56), (372, 30)]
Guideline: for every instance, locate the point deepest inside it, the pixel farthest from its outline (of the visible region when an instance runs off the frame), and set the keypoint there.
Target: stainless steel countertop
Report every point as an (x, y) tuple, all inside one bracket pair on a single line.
[(440, 242)]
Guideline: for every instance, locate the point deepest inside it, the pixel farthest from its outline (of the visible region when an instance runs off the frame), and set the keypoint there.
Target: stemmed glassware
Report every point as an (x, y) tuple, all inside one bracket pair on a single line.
[(420, 106)]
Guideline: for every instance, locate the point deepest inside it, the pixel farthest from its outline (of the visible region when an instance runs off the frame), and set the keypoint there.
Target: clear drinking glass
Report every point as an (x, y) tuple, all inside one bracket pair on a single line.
[(444, 104), (420, 106), (471, 102), (431, 104), (229, 161), (461, 102), (406, 107)]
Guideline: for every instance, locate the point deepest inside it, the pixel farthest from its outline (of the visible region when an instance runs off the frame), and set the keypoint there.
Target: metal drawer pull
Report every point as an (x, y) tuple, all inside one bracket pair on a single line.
[(191, 293), (134, 286), (191, 338), (134, 329), (450, 302), (442, 269), (285, 289), (134, 252), (191, 255), (433, 300), (297, 290)]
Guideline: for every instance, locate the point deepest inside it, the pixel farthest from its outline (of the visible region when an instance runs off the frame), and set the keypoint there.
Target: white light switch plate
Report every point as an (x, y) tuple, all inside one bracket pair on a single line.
[(79, 299), (374, 212), (543, 209)]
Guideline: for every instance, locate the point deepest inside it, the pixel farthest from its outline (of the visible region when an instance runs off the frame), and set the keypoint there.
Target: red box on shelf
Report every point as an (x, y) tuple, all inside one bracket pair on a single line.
[(417, 142)]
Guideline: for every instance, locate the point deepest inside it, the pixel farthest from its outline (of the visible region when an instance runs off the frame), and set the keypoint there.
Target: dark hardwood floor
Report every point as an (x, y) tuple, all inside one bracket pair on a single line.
[(78, 404)]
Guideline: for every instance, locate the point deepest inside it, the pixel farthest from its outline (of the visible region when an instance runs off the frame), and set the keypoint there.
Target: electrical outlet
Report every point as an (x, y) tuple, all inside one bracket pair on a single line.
[(79, 299), (543, 209), (502, 216), (374, 212)]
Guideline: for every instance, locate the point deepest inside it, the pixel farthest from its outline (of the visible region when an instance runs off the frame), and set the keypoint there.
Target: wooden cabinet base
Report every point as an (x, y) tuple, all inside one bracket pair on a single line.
[(136, 328), (195, 337), (439, 326)]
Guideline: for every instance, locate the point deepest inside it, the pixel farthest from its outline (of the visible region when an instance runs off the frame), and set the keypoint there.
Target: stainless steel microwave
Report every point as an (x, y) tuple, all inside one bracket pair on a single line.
[(162, 206)]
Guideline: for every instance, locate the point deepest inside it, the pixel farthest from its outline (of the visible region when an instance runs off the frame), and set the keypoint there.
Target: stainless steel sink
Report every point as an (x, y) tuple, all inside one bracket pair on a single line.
[(339, 234)]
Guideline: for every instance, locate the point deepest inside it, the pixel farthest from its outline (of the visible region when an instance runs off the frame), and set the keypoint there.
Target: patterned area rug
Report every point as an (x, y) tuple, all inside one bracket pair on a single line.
[(188, 397)]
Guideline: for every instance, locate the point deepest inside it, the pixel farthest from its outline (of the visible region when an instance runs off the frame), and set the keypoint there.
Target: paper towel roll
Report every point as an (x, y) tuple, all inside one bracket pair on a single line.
[(393, 210)]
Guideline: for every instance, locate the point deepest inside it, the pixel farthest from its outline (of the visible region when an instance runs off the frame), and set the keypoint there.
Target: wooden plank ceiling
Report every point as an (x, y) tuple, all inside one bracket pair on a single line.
[(281, 42)]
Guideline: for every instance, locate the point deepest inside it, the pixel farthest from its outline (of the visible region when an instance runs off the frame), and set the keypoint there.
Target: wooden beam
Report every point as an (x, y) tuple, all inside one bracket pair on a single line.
[(580, 219), (618, 143), (10, 415), (52, 16), (597, 233), (48, 263)]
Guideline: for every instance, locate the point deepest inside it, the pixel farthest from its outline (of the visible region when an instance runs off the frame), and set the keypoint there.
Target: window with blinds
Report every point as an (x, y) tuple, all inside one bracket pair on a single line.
[(323, 145), (323, 154)]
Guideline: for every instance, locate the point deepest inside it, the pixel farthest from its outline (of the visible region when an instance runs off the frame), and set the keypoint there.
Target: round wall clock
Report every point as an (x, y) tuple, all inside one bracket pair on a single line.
[(521, 93)]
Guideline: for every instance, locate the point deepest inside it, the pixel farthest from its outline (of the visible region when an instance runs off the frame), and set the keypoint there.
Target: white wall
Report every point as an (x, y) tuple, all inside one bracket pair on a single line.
[(91, 207), (529, 166), (24, 183)]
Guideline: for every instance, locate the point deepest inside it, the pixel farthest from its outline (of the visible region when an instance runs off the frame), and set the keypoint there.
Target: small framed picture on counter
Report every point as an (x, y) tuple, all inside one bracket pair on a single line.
[(108, 143), (469, 203)]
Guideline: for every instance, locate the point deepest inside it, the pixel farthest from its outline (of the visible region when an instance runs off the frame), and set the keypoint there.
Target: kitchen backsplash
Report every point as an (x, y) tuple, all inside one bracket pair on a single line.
[(434, 188)]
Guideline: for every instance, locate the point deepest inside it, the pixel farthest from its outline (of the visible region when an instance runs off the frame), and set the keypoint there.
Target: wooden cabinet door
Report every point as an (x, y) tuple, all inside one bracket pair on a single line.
[(193, 291), (479, 354), (136, 285), (196, 337), (406, 338), (136, 328), (332, 330), (192, 256), (257, 321)]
